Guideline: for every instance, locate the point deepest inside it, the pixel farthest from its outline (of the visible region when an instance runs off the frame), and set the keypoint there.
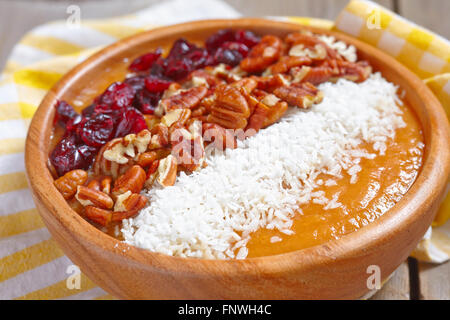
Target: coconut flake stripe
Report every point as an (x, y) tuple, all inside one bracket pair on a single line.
[(266, 180)]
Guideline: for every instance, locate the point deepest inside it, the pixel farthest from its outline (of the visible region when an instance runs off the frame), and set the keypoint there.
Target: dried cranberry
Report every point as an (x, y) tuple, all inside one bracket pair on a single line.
[(178, 69), (117, 95), (66, 156), (64, 112), (199, 58), (230, 57), (147, 101), (158, 68), (131, 121), (155, 84), (246, 37), (215, 41), (236, 46), (145, 62), (88, 111), (72, 125), (136, 82), (180, 48), (97, 130)]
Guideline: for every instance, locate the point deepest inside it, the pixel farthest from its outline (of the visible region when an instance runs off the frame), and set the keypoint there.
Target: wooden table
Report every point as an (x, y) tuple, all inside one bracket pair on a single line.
[(413, 279)]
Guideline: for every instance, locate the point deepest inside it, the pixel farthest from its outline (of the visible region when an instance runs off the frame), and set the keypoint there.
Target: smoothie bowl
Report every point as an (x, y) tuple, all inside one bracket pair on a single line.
[(238, 159)]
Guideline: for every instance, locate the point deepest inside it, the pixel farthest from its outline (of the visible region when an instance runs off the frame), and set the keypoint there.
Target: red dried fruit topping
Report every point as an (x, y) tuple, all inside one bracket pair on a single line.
[(177, 69), (246, 37), (131, 121), (68, 155), (147, 101), (180, 48), (64, 112), (217, 39), (97, 130), (155, 84), (145, 62), (118, 95)]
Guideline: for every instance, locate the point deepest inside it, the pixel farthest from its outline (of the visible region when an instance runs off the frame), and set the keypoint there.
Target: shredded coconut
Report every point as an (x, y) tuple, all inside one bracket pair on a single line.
[(265, 181)]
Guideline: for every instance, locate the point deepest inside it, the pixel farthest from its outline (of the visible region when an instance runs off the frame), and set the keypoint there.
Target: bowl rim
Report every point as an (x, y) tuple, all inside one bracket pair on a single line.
[(433, 175)]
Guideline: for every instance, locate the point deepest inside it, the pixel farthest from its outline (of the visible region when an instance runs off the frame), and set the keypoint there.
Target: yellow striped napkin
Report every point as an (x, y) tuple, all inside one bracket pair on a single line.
[(31, 264)]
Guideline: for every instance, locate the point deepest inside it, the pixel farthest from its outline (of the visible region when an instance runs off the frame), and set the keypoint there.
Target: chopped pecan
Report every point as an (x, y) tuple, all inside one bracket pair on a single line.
[(287, 62), (105, 185), (68, 183), (132, 180), (119, 154), (151, 120), (270, 83), (230, 109), (160, 136), (315, 76), (311, 42), (256, 120), (187, 146), (246, 84), (91, 197), (266, 52), (129, 201), (100, 216), (177, 115), (167, 171), (221, 138), (302, 95), (199, 111), (211, 81), (145, 159), (268, 110), (94, 184), (184, 100)]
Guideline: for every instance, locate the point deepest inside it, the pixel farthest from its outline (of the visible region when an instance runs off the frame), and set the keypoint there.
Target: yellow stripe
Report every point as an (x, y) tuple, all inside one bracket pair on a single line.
[(114, 29), (12, 66), (36, 78), (28, 259), (8, 146), (20, 222), (59, 290), (12, 182), (10, 111), (51, 45), (14, 111)]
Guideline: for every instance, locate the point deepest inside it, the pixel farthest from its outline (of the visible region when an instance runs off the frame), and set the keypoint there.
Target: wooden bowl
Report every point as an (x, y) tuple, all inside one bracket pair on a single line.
[(335, 270)]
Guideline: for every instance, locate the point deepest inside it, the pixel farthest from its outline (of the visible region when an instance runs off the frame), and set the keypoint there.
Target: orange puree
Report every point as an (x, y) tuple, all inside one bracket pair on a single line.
[(381, 183)]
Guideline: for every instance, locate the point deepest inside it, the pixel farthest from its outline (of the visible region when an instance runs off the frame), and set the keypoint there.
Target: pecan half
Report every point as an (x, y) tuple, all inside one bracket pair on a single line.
[(184, 100), (129, 202), (132, 180), (100, 216), (91, 197), (177, 115), (302, 95), (266, 52), (287, 62), (68, 183), (230, 108)]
